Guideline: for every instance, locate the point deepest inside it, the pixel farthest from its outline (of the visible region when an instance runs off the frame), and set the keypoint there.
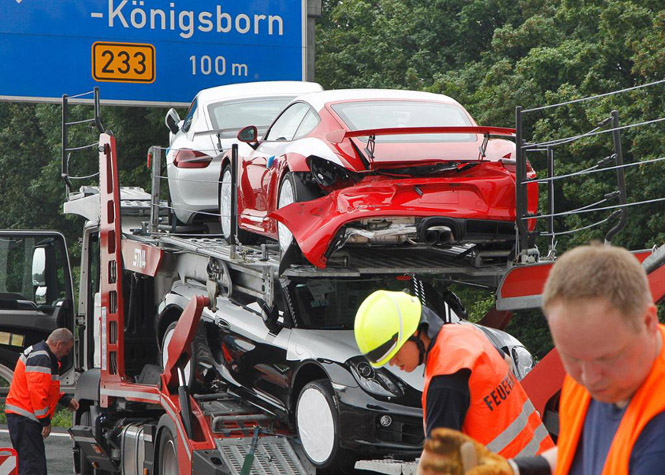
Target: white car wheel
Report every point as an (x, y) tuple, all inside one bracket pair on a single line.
[(316, 422), (287, 196), (225, 202)]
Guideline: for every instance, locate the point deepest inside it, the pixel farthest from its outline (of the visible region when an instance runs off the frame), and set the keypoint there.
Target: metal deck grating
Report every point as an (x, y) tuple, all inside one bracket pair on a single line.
[(452, 263), (273, 456), (217, 247), (404, 261)]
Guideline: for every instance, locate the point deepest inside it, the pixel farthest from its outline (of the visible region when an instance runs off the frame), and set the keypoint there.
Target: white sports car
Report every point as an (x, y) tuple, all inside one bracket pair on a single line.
[(214, 118)]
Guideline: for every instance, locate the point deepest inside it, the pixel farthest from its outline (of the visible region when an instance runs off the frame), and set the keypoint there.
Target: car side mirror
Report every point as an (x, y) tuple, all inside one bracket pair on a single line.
[(248, 134), (172, 120)]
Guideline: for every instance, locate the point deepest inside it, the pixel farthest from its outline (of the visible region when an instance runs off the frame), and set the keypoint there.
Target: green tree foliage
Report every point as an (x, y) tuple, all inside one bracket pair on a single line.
[(31, 188), (493, 55)]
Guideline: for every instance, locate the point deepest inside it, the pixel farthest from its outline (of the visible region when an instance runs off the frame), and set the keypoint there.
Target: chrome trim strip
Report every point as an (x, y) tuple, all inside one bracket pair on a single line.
[(519, 303)]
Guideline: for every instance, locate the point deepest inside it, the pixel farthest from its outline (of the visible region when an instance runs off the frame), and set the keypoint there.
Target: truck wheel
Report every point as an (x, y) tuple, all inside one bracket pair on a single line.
[(85, 466), (317, 421), (168, 453), (225, 209)]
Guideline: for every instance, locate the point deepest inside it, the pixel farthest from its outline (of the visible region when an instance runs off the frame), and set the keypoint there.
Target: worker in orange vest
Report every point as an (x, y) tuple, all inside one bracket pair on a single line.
[(468, 384), (605, 326), (33, 394)]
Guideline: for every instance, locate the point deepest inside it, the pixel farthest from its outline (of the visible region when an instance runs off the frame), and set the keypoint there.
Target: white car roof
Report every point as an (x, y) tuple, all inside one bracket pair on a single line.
[(319, 99), (256, 89)]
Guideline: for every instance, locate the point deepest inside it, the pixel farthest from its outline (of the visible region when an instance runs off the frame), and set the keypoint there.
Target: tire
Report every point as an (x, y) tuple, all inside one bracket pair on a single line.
[(163, 357), (317, 423), (244, 237), (167, 453), (198, 370), (291, 190), (85, 466)]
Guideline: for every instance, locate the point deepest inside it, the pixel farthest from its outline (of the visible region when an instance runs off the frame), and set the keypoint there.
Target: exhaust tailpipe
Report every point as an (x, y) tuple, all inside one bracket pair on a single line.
[(438, 235), (431, 237), (446, 236)]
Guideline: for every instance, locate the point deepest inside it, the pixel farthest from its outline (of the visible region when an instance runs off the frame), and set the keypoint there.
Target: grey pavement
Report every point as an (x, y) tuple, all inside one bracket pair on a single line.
[(59, 456), (58, 450)]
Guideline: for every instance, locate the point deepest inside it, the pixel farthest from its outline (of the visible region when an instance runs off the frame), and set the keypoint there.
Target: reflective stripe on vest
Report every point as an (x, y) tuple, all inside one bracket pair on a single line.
[(37, 369), (534, 447), (645, 404), (21, 412), (41, 412), (500, 414), (501, 441)]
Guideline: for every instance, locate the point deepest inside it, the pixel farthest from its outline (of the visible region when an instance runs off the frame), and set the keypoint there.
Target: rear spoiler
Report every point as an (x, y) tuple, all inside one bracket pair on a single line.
[(336, 136), (214, 132)]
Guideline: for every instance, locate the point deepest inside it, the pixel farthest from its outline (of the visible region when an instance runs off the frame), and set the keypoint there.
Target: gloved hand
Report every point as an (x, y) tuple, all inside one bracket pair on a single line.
[(452, 453)]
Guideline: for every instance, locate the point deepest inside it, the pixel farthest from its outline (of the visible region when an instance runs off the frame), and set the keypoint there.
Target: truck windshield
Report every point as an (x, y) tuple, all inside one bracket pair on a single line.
[(32, 271), (332, 304)]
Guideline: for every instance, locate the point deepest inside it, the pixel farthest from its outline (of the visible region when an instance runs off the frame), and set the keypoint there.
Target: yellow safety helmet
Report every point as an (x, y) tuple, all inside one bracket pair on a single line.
[(384, 322)]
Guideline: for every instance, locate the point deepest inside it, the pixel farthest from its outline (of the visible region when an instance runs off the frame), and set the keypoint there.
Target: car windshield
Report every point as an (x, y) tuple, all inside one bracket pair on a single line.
[(361, 115), (232, 116), (331, 304)]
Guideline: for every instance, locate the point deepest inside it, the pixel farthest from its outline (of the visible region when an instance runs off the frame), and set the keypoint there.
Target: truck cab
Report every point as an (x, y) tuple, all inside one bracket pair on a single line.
[(36, 296)]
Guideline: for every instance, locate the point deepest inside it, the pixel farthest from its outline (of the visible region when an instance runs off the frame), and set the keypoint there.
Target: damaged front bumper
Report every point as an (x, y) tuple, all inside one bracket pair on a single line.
[(429, 211)]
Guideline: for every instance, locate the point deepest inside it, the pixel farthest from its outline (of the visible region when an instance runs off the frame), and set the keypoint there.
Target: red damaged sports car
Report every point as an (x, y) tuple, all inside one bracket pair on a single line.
[(374, 168)]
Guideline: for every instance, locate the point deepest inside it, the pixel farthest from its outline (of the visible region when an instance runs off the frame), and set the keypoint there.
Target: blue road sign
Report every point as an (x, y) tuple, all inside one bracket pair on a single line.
[(159, 52)]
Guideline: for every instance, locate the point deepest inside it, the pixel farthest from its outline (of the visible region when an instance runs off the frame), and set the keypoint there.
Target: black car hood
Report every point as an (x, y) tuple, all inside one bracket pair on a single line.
[(339, 346)]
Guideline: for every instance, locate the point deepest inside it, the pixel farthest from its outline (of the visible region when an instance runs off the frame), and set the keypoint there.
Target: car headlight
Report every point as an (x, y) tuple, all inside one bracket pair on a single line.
[(375, 381), (522, 361)]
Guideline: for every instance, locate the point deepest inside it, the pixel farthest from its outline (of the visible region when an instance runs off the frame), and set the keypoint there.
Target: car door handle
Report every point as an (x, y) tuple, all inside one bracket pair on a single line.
[(223, 324)]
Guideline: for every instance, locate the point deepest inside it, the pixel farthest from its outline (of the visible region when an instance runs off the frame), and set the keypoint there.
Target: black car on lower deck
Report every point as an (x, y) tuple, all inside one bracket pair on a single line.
[(303, 364)]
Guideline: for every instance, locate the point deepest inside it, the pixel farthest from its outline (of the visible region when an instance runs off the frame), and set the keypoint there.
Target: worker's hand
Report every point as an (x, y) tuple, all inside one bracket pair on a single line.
[(73, 405), (452, 453), (46, 430)]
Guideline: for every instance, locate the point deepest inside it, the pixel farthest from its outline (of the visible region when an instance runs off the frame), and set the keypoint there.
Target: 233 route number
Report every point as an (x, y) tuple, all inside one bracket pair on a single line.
[(123, 62)]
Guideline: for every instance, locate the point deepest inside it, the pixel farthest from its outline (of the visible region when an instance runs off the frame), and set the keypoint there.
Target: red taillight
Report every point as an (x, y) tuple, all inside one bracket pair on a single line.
[(186, 158), (511, 166)]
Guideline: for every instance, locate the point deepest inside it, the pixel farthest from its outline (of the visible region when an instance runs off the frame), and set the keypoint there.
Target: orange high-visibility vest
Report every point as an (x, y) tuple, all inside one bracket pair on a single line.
[(646, 403), (35, 387), (500, 414)]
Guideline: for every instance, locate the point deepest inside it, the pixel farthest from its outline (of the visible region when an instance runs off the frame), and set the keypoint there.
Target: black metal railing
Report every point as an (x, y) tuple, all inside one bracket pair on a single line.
[(67, 150), (615, 203)]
